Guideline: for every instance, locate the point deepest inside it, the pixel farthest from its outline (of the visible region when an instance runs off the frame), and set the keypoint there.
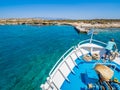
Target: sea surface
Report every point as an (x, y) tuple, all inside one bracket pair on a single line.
[(27, 53)]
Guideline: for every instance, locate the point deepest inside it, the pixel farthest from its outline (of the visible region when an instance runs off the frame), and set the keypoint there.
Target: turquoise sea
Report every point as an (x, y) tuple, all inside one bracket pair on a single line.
[(27, 53)]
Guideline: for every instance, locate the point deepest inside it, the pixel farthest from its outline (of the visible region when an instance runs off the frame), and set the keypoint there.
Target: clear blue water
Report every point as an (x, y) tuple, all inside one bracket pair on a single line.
[(27, 53)]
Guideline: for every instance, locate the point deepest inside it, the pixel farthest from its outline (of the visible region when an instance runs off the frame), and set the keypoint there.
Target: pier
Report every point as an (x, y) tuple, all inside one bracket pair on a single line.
[(81, 30)]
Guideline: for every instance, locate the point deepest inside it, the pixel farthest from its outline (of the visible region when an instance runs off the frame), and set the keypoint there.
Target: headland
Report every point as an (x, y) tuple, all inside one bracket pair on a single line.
[(79, 25)]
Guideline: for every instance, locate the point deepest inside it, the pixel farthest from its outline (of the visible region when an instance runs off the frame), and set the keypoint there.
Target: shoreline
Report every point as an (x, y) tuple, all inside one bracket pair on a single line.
[(82, 26)]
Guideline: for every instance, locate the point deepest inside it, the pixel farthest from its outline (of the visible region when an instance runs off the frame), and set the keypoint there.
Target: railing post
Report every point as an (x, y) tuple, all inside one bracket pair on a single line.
[(73, 62), (69, 67), (51, 81), (76, 54), (64, 76), (80, 50), (55, 85)]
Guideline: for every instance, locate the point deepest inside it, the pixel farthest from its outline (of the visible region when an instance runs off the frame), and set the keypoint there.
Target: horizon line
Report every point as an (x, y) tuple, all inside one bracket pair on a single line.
[(51, 18)]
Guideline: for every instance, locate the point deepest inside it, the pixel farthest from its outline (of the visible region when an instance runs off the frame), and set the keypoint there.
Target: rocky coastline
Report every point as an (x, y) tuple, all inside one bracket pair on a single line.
[(80, 25)]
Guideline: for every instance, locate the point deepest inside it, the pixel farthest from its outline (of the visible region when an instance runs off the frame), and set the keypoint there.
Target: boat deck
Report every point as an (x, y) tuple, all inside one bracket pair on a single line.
[(85, 74), (73, 73)]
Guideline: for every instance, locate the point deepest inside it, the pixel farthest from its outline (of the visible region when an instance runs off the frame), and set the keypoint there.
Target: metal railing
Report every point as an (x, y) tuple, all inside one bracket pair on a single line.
[(84, 41), (99, 42), (93, 40), (61, 58), (69, 50)]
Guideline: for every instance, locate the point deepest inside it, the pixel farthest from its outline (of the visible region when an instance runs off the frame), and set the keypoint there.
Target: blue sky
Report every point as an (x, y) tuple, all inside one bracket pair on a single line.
[(70, 9)]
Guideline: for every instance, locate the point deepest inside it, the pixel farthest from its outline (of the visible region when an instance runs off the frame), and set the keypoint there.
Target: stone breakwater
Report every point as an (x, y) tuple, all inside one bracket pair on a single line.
[(84, 27), (80, 25)]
